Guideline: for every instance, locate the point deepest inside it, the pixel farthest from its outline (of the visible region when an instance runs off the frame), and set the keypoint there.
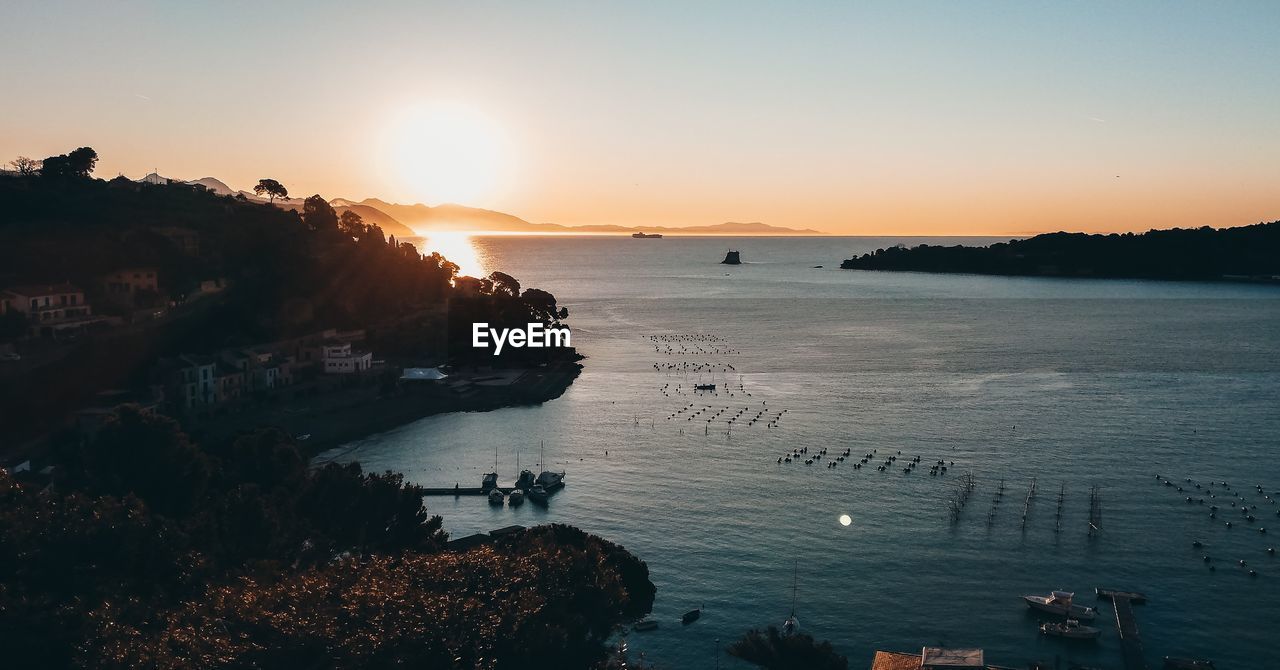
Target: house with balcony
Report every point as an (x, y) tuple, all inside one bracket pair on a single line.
[(51, 310)]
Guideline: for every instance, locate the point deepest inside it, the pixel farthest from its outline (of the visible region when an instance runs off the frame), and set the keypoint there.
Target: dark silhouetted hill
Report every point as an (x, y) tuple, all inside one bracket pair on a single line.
[(1246, 252)]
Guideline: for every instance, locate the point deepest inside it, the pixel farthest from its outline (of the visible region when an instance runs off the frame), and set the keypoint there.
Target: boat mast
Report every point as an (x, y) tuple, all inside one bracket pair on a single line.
[(795, 576)]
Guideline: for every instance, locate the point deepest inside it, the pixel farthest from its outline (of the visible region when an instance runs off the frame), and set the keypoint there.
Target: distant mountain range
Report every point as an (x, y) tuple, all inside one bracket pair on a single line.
[(424, 219), (418, 219)]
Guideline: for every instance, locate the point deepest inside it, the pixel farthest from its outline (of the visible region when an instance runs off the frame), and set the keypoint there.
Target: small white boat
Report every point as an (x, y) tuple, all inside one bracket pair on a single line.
[(516, 497), (496, 497), (1060, 603), (1070, 629)]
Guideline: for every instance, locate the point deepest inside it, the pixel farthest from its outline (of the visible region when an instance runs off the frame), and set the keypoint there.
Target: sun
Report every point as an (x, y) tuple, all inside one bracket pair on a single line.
[(444, 152)]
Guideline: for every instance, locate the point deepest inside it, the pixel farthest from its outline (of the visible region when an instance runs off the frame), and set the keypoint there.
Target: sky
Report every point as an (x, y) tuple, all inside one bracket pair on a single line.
[(899, 118)]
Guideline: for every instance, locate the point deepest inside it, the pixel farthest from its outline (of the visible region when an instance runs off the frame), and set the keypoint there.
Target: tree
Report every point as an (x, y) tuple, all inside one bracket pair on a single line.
[(141, 454), (25, 166), (774, 651), (504, 283), (272, 188), (351, 224), (77, 164), (318, 214)]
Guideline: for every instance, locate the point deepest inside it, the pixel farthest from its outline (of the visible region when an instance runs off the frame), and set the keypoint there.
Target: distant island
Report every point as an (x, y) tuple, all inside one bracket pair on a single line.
[(1247, 253), (418, 219)]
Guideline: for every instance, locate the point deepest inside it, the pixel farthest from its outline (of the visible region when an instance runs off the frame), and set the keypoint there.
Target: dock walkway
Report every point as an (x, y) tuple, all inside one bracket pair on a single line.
[(464, 491), (1130, 639)]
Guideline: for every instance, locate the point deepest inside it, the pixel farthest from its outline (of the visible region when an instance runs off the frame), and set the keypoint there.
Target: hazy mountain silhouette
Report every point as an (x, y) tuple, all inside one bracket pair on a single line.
[(424, 219), (418, 219)]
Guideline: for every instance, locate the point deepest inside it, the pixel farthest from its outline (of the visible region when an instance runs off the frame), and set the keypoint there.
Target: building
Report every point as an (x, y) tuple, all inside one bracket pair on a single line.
[(51, 309), (340, 359), (261, 368), (932, 658), (128, 282), (189, 381)]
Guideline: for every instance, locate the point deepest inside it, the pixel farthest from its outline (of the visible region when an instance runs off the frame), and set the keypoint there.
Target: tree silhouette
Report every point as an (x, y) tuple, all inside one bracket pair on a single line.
[(770, 649), (504, 283), (351, 224), (272, 188), (318, 214), (76, 164), (25, 166)]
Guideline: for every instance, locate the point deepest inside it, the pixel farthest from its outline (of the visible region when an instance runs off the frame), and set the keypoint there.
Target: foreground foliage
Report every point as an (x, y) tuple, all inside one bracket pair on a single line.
[(247, 558), (770, 649)]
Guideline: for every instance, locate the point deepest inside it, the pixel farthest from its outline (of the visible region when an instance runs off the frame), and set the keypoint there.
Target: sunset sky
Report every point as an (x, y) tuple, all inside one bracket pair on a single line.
[(855, 118)]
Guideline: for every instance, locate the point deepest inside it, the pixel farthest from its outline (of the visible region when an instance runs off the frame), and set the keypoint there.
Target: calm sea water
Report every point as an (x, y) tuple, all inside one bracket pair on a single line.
[(1075, 383)]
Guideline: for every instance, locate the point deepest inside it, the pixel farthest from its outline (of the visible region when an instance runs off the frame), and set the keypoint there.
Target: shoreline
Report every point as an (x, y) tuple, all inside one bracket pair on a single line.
[(331, 421)]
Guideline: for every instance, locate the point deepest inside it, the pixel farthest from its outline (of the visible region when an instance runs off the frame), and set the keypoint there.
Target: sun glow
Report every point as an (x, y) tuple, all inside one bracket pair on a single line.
[(444, 153), (458, 248)]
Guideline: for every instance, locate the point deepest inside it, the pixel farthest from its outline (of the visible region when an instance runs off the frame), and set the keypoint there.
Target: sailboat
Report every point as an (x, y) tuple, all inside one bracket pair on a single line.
[(490, 480), (548, 480), (792, 624), (516, 497)]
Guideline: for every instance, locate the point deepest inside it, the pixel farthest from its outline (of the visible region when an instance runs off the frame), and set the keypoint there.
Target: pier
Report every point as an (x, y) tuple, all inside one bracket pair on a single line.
[(466, 491), (1130, 639)]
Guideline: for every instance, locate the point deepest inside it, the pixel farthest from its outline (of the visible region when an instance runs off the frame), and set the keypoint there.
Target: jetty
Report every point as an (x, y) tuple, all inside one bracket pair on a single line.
[(1127, 625), (466, 491)]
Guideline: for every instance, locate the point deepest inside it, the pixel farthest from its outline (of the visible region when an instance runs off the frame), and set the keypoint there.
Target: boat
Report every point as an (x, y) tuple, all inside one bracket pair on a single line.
[(1070, 629), (1060, 603), (731, 258), (537, 494), (491, 478), (647, 236), (691, 616), (645, 624), (516, 497), (526, 479), (496, 497), (550, 480), (792, 624)]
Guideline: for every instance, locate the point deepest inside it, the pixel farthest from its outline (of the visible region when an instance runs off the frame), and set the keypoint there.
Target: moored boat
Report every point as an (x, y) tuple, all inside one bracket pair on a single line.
[(537, 494), (1060, 603), (516, 497), (496, 497), (551, 480), (691, 616), (645, 624), (1070, 629)]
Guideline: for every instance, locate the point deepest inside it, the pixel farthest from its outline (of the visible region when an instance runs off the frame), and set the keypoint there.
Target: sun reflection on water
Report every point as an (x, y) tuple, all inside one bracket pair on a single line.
[(459, 248)]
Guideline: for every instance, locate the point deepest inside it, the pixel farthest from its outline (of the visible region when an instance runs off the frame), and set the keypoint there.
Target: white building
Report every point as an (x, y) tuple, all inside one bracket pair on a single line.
[(340, 359)]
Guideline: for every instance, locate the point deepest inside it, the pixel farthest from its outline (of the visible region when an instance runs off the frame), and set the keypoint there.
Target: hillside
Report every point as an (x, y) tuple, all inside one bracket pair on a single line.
[(1246, 252)]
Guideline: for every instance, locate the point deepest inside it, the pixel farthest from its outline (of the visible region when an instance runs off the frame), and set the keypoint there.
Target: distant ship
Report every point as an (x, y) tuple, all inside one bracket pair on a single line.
[(647, 236), (731, 258)]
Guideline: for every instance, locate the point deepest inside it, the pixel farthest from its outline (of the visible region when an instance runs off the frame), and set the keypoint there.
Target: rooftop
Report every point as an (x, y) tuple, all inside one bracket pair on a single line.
[(40, 290)]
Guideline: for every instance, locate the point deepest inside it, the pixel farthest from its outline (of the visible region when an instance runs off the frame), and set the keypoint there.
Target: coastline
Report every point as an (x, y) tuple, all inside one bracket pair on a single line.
[(330, 421)]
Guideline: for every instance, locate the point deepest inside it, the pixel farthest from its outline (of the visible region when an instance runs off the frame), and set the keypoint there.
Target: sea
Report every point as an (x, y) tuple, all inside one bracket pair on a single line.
[(1060, 408)]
